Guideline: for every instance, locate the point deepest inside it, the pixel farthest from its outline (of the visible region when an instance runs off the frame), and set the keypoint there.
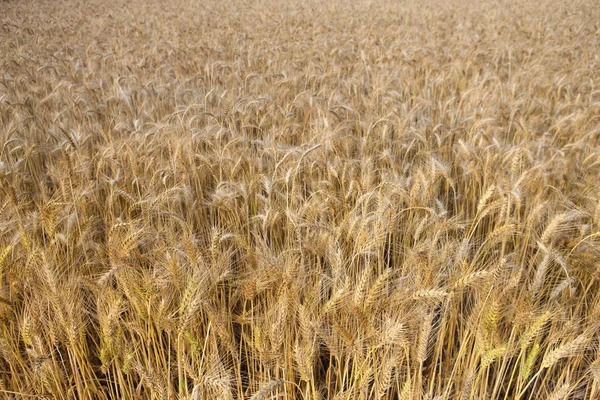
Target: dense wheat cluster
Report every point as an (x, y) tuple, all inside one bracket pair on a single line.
[(299, 200)]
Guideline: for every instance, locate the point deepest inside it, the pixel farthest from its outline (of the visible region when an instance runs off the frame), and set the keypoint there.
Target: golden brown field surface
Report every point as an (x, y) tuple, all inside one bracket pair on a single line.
[(300, 200)]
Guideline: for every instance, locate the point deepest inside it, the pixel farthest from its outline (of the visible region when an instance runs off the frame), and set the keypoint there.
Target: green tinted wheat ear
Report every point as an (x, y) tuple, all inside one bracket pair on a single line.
[(534, 329), (492, 355), (530, 360), (4, 255)]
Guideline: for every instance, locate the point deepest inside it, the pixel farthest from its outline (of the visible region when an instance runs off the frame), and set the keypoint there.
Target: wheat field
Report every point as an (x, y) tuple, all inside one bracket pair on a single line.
[(299, 200)]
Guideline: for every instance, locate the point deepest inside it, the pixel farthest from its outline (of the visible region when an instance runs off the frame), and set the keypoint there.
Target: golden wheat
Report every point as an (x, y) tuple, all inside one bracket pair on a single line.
[(314, 200)]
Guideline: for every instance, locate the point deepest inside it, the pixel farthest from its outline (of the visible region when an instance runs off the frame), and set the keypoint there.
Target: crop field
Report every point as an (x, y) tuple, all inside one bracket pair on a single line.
[(247, 200)]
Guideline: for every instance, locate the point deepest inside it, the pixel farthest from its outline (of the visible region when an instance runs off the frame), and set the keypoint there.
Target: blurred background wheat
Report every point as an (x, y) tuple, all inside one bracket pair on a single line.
[(299, 200)]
